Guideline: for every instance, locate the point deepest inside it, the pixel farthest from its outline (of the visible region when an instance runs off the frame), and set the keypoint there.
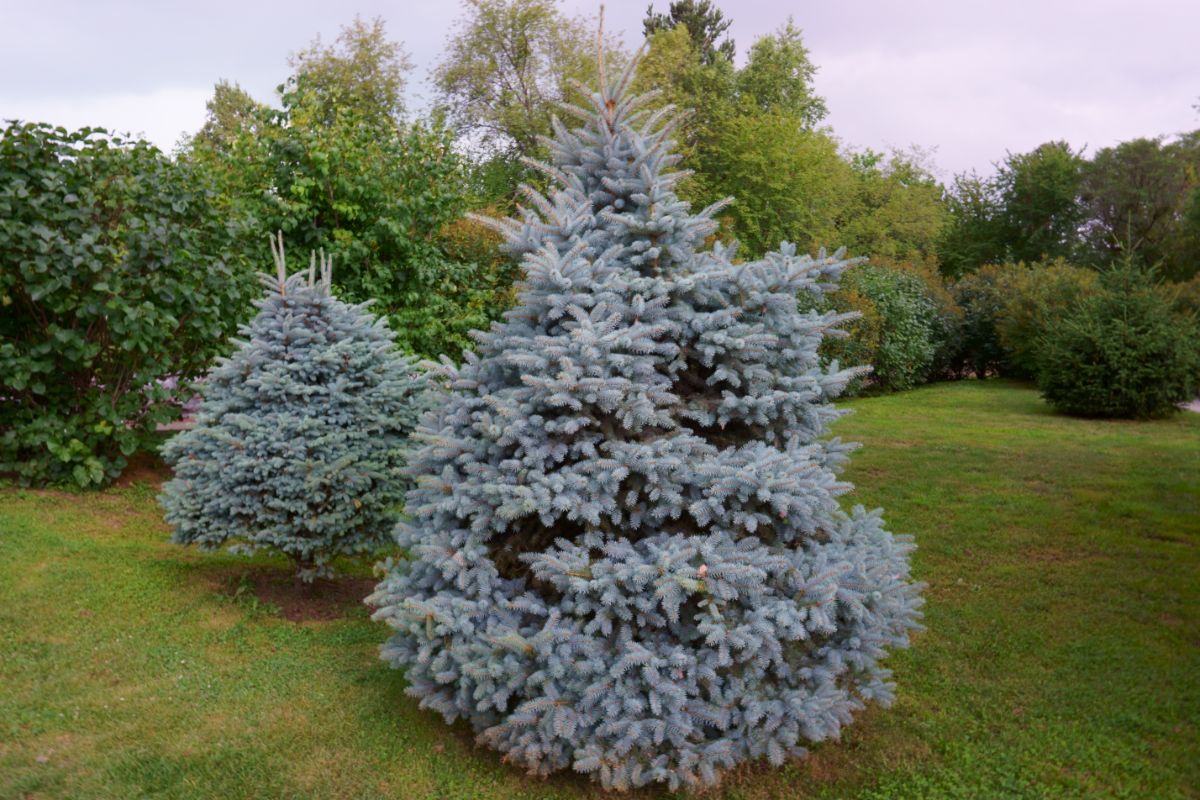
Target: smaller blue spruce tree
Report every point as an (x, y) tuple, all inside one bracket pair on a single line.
[(299, 444), (627, 554)]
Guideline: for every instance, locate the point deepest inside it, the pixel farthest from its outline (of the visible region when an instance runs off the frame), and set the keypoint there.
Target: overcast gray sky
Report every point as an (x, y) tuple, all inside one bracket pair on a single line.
[(967, 79)]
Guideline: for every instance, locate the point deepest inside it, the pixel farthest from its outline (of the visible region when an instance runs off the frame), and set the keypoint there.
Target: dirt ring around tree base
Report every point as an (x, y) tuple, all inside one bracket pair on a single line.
[(279, 593)]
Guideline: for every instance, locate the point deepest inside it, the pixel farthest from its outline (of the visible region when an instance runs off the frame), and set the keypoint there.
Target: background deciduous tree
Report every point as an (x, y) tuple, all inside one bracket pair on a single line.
[(1039, 191), (778, 76), (1139, 199), (895, 213), (974, 233), (1143, 201), (794, 185), (364, 72), (508, 65), (339, 166), (1030, 210), (752, 132)]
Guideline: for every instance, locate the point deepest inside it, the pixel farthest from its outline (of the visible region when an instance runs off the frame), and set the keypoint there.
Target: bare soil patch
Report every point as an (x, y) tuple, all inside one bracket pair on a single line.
[(279, 592)]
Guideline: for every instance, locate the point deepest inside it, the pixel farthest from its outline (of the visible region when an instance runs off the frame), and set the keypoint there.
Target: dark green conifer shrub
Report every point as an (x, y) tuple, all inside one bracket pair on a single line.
[(299, 444), (1120, 352)]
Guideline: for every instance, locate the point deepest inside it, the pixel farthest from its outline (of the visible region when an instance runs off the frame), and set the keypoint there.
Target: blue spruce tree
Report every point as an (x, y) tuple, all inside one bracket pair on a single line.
[(299, 444), (627, 554)]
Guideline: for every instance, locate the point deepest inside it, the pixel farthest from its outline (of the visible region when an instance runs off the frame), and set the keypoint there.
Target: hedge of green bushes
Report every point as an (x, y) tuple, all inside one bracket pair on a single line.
[(1098, 344), (124, 276), (1113, 343)]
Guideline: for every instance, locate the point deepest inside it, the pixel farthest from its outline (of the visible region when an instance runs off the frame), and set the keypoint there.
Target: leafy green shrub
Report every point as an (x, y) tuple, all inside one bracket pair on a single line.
[(376, 198), (336, 173), (1120, 352), (116, 276), (1037, 298), (1006, 310), (947, 322), (299, 443), (915, 326)]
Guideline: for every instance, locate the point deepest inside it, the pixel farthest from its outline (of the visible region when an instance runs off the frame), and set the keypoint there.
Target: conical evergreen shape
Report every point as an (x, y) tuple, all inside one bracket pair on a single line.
[(299, 444), (627, 552)]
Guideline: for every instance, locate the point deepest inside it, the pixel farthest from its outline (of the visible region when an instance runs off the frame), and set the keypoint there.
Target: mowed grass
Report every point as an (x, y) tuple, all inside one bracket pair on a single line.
[(1062, 656)]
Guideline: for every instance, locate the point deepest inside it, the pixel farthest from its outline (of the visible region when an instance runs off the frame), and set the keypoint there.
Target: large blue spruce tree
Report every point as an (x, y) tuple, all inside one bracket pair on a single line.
[(299, 444), (627, 554)]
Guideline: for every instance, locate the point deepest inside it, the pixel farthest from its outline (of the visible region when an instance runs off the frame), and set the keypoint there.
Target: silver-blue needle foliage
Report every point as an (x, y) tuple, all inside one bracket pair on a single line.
[(299, 445), (628, 556)]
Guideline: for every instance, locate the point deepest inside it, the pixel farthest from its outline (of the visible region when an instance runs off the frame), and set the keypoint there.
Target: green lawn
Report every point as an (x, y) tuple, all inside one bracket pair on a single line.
[(1062, 656)]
